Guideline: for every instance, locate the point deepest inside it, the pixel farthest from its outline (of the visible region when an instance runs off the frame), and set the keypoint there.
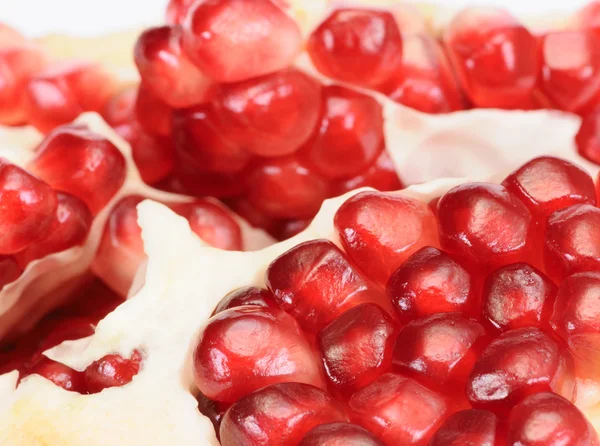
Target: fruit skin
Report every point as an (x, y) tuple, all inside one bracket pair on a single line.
[(112, 371), (339, 434), (246, 348), (253, 422), (379, 231), (28, 208), (235, 40), (548, 419), (358, 46), (467, 427)]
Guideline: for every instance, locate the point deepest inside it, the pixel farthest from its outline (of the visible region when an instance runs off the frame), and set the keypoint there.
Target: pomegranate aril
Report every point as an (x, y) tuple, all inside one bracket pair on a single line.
[(516, 296), (177, 10), (467, 427), (60, 93), (485, 225), (576, 318), (212, 410), (84, 164), (588, 136), (495, 57), (249, 295), (167, 71), (189, 179), (112, 371), (61, 375), (359, 46), (398, 410), (351, 129), (315, 283), (9, 270), (570, 76), (154, 156), (339, 434), (290, 228), (246, 348), (235, 40), (426, 81), (547, 184), (546, 419), (381, 175), (516, 364), (28, 209), (356, 348), (120, 108), (572, 241), (430, 282), (253, 216), (154, 116), (380, 231), (286, 188)]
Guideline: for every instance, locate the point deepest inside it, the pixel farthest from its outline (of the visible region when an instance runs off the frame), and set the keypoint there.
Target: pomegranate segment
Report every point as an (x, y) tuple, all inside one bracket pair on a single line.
[(430, 282), (398, 410), (167, 71), (570, 76), (496, 58), (380, 231), (60, 93), (339, 434), (253, 420), (572, 241), (518, 295), (154, 116), (241, 297), (61, 375), (246, 348), (271, 115), (315, 283), (426, 81), (588, 136), (547, 184), (549, 419), (485, 225), (28, 207), (467, 427), (351, 130), (74, 160), (356, 348), (358, 46), (516, 364), (112, 371), (235, 40)]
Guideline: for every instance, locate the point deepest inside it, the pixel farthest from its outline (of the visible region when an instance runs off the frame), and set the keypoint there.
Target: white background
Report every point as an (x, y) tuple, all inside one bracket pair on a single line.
[(93, 17)]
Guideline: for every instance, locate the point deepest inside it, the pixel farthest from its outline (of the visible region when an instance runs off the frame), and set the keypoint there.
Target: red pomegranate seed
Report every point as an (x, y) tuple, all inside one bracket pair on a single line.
[(253, 216), (518, 295), (75, 160), (588, 17), (271, 115), (547, 184), (71, 228), (398, 410), (548, 419), (467, 427), (570, 76), (246, 348), (315, 283), (253, 420), (93, 302), (190, 179), (153, 115), (112, 371), (9, 270), (17, 65), (249, 295), (286, 188), (496, 58), (28, 209), (235, 40), (426, 81), (57, 95), (213, 410), (291, 228), (356, 348), (339, 434), (154, 156), (61, 375), (588, 136), (167, 71), (120, 108), (359, 46), (576, 319), (381, 175), (440, 349), (351, 129), (200, 135), (485, 225), (430, 282), (212, 223), (380, 231), (177, 10), (572, 241), (518, 363)]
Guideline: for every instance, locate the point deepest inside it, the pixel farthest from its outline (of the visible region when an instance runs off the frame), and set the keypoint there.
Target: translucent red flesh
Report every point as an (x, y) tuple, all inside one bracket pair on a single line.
[(111, 371), (246, 296), (476, 427), (339, 434)]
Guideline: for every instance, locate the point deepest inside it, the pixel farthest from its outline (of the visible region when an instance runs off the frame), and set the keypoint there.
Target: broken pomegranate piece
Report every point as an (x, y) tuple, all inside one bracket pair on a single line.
[(61, 375), (112, 371), (468, 427), (338, 434)]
